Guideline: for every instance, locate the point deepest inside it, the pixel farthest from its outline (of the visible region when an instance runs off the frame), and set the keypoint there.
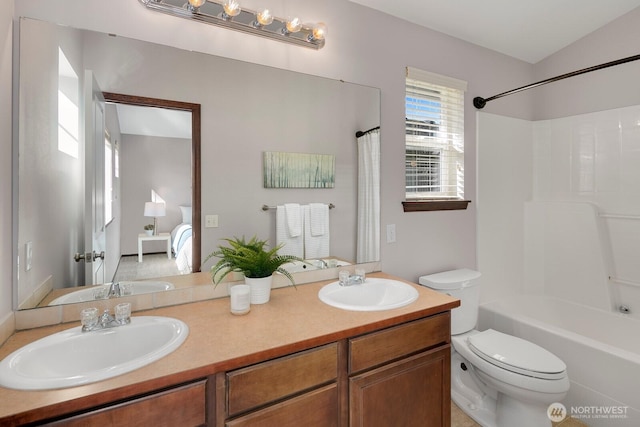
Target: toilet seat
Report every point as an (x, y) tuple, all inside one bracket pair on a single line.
[(516, 355)]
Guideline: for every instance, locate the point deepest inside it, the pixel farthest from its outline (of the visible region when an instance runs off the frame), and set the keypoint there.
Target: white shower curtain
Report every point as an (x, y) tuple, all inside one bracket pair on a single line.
[(368, 244)]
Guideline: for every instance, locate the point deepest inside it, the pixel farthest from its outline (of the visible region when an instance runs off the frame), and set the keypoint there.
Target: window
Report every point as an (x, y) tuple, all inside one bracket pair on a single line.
[(434, 139), (108, 178), (68, 111)]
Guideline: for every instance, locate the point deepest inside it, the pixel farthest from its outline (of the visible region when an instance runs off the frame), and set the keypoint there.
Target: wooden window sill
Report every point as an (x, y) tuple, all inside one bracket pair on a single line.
[(435, 205)]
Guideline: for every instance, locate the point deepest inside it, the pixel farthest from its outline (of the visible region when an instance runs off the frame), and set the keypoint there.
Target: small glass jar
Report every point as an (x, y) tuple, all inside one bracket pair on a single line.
[(240, 298)]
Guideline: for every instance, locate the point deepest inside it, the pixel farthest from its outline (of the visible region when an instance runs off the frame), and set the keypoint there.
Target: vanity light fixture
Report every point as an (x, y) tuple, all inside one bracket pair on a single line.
[(229, 14), (230, 9), (293, 25), (195, 4), (319, 31), (263, 18)]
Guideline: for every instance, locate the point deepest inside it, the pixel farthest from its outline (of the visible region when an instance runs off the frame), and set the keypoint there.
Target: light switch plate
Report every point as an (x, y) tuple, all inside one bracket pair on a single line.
[(211, 221), (391, 233)]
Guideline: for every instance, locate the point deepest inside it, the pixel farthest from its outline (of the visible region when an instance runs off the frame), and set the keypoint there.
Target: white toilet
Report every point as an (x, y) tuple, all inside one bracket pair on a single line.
[(497, 379)]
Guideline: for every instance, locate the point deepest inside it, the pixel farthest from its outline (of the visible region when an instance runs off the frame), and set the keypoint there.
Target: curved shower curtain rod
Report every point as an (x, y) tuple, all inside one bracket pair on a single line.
[(480, 102), (362, 133)]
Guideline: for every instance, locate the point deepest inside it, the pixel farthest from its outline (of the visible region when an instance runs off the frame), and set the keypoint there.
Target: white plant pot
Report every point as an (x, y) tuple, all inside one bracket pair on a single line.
[(149, 232), (260, 289)]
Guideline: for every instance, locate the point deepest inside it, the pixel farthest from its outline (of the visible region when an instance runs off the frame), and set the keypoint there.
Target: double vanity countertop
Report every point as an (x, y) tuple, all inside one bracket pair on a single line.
[(293, 320)]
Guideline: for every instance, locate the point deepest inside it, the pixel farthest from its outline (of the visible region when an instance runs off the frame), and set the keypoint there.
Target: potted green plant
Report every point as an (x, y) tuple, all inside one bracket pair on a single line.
[(148, 229), (255, 260)]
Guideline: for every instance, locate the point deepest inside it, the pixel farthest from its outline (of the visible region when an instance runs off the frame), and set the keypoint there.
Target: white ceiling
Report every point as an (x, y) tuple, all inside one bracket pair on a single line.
[(150, 121), (527, 30)]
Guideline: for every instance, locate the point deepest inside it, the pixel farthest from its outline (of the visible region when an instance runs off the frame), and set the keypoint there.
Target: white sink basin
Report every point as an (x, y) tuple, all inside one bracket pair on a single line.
[(298, 266), (375, 294), (72, 357), (328, 262), (100, 291), (313, 264)]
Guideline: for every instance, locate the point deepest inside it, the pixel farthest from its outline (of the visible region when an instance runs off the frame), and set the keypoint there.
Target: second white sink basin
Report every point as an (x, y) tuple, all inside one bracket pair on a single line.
[(72, 358), (100, 291), (314, 264), (375, 294)]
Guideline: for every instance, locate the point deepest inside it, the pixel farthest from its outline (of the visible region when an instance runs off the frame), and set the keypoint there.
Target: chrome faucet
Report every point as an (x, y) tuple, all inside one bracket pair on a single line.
[(92, 322), (350, 279), (114, 290)]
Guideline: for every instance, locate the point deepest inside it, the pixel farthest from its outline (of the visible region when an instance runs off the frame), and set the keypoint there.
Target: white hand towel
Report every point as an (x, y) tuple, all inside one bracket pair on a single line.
[(314, 246), (293, 215), (292, 245), (319, 216)]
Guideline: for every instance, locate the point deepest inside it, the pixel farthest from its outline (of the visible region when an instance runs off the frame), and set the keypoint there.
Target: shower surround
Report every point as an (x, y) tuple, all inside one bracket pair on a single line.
[(594, 159), (559, 224)]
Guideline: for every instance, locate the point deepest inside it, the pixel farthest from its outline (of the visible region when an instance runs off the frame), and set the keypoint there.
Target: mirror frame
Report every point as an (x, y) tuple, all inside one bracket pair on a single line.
[(196, 215)]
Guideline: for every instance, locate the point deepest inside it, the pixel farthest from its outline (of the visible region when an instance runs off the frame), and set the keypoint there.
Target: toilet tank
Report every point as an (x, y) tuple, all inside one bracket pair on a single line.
[(461, 284)]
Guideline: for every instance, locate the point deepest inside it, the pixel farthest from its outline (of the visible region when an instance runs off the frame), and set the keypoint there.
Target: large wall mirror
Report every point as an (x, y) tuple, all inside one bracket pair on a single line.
[(74, 86)]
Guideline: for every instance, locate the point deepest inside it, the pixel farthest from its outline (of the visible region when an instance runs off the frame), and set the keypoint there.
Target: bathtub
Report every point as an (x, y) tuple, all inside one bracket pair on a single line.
[(601, 350)]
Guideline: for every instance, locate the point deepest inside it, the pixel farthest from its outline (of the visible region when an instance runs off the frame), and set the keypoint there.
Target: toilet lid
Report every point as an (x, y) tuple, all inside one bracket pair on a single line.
[(516, 355)]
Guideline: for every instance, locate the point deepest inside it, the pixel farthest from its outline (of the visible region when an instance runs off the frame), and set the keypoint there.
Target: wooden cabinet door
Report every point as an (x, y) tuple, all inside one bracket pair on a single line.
[(414, 391)]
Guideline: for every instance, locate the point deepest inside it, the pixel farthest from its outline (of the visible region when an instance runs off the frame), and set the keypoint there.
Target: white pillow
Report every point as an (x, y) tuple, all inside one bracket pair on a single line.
[(186, 214)]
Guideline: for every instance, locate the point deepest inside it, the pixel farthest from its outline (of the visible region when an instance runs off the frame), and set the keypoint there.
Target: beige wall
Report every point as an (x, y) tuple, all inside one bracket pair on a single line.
[(50, 180), (605, 89), (6, 294)]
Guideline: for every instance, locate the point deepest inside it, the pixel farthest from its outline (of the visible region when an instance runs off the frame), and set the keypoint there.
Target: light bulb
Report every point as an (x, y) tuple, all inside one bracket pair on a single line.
[(293, 25), (319, 31), (197, 3), (231, 8), (264, 17)]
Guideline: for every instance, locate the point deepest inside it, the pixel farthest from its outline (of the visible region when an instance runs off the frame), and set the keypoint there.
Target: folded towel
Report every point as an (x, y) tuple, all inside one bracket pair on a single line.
[(314, 246), (319, 217), (293, 215), (292, 245)]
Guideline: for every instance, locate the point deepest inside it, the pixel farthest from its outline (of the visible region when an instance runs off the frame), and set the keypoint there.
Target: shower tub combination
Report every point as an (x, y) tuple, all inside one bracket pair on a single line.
[(601, 350)]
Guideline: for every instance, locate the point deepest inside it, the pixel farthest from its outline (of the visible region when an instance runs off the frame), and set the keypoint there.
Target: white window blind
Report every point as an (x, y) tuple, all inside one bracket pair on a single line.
[(434, 161)]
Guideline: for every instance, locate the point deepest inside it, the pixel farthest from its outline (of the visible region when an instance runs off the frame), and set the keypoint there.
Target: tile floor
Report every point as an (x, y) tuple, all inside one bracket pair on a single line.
[(152, 265), (460, 419)]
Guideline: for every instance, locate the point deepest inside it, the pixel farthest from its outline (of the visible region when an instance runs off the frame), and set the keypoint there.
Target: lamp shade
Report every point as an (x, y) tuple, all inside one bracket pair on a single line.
[(154, 209)]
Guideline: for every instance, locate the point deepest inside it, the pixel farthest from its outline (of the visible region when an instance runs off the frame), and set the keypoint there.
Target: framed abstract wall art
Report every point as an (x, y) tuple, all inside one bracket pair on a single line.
[(298, 170)]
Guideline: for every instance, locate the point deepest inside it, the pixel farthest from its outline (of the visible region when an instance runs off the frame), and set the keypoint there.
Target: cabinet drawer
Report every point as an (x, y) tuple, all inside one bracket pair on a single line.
[(266, 382), (182, 406), (390, 344), (317, 408)]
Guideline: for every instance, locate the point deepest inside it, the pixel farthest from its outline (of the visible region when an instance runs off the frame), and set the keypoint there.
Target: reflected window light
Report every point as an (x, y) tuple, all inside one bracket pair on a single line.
[(108, 179), (68, 111)]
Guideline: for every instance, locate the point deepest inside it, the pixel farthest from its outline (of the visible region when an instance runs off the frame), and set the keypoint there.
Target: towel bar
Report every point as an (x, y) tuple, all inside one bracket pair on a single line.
[(266, 207)]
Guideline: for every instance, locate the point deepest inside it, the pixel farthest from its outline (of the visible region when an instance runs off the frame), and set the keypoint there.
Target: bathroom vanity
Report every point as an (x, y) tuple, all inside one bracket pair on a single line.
[(292, 361)]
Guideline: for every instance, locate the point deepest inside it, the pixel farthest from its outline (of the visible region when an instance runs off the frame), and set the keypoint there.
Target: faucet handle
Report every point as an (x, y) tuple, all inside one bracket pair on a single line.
[(343, 277), (123, 313), (89, 318)]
